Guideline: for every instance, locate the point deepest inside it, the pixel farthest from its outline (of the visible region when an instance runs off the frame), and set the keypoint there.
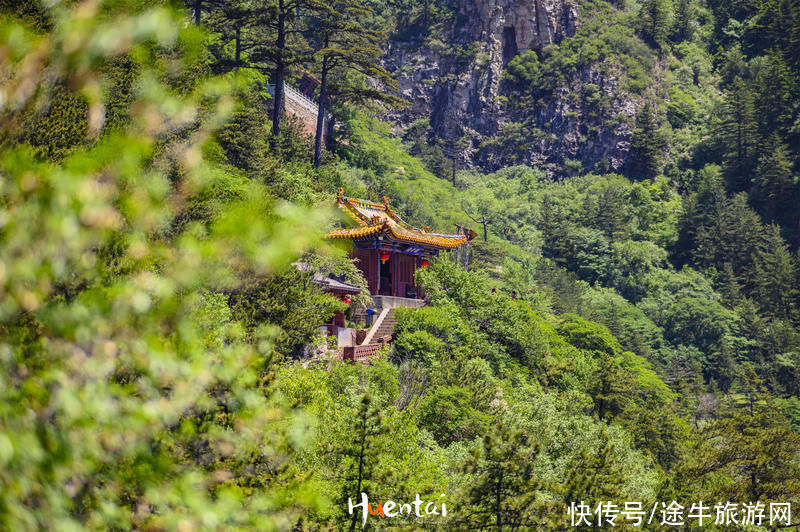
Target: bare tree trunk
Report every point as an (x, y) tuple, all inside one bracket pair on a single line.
[(360, 472), (198, 5), (797, 211), (329, 126), (458, 249), (497, 505), (323, 96), (238, 46), (280, 71)]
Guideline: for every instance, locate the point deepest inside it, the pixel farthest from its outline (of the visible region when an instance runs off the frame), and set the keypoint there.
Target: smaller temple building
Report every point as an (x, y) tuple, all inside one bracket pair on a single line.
[(337, 286), (389, 251)]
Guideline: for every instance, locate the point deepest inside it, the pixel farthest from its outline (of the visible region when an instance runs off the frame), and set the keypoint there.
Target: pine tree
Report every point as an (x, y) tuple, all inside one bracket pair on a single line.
[(792, 49), (357, 457), (594, 477), (776, 26), (197, 7), (648, 144), (655, 427), (345, 44), (240, 21), (685, 13), (699, 211), (774, 275), (775, 97), (729, 286), (611, 388), (288, 19), (732, 237), (738, 134), (613, 213), (656, 17), (685, 379), (481, 207), (774, 183), (555, 231), (502, 494), (752, 444)]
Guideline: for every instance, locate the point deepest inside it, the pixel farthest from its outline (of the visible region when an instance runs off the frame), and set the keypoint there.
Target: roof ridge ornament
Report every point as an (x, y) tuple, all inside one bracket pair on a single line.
[(386, 207)]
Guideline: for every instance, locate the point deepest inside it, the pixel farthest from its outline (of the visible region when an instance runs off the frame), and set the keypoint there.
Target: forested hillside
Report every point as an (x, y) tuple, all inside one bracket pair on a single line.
[(626, 330)]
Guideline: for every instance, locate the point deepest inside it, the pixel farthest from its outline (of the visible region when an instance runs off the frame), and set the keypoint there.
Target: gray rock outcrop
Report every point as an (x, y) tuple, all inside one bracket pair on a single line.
[(456, 83)]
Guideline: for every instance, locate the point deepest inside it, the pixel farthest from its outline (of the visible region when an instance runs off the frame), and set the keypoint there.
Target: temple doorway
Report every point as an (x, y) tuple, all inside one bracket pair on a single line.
[(386, 278)]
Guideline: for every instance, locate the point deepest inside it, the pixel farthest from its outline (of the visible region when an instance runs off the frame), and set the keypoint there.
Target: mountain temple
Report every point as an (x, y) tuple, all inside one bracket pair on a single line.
[(389, 251)]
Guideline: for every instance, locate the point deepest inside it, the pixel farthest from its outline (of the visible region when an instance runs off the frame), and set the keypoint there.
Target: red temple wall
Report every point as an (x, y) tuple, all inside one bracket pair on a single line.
[(402, 266), (368, 264)]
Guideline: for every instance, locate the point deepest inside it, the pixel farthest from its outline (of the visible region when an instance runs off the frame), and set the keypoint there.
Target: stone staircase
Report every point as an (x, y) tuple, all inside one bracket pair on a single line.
[(382, 329), (301, 106), (385, 328), (378, 336)]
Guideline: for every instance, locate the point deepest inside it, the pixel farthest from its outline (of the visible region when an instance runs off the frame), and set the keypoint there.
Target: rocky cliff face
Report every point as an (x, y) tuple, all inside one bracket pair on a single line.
[(456, 82)]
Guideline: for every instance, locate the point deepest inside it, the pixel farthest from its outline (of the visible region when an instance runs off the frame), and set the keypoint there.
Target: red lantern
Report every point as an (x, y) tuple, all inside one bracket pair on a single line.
[(347, 300), (385, 256), (424, 262)]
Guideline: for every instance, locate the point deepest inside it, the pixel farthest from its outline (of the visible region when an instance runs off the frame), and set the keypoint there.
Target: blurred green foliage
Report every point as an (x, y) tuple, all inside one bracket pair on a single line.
[(154, 321), (131, 398)]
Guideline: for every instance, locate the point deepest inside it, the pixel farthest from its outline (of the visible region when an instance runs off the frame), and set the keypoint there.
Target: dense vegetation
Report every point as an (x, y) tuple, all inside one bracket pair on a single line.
[(153, 329)]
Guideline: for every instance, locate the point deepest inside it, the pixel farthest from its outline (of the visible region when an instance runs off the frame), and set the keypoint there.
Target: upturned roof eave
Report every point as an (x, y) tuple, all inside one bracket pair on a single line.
[(389, 224)]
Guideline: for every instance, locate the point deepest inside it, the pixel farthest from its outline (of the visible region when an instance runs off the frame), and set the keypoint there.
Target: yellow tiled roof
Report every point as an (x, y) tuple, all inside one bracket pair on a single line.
[(355, 234), (373, 218)]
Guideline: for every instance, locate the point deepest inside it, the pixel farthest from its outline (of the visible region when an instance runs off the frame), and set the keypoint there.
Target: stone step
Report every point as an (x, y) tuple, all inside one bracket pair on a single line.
[(386, 327)]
